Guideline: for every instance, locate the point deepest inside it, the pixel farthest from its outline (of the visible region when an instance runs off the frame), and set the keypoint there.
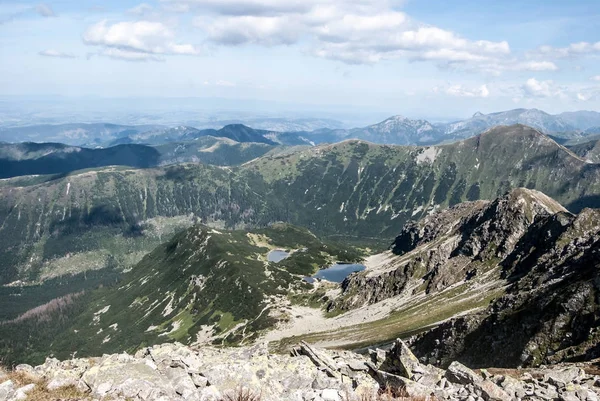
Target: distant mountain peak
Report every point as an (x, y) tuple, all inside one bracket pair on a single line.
[(238, 125), (478, 114), (398, 117)]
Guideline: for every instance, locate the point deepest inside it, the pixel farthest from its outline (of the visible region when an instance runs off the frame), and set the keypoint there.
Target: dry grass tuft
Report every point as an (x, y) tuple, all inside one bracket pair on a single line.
[(242, 394), (40, 392), (392, 395)]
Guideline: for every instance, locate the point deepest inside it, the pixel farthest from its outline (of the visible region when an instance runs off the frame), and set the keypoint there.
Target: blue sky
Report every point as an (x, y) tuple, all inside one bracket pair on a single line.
[(420, 58)]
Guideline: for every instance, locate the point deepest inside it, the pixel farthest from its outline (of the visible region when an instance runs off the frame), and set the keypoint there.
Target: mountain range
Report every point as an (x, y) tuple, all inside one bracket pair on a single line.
[(396, 130), (30, 158), (507, 282), (166, 236), (350, 190)]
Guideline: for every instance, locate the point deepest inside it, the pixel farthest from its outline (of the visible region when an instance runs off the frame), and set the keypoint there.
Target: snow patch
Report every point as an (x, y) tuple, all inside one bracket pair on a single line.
[(96, 318), (176, 325), (102, 311), (169, 308), (417, 211)]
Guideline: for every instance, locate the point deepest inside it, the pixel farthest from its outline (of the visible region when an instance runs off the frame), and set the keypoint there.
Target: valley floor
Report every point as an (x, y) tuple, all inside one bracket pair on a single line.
[(381, 322)]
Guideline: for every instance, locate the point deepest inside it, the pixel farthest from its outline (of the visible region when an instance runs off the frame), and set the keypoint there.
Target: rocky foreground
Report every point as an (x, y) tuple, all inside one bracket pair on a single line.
[(177, 372)]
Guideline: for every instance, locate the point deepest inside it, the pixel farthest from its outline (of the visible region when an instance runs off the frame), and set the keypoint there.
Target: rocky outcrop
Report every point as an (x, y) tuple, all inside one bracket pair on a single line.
[(450, 246), (177, 372), (539, 264), (550, 311)]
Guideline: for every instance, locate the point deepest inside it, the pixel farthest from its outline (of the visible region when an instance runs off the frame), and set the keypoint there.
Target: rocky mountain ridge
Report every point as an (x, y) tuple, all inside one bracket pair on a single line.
[(541, 261), (175, 372)]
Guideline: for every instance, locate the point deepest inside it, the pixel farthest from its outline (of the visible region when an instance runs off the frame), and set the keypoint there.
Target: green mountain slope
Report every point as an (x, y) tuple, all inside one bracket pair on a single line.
[(351, 190), (53, 158), (202, 285), (30, 158), (211, 150), (589, 151)]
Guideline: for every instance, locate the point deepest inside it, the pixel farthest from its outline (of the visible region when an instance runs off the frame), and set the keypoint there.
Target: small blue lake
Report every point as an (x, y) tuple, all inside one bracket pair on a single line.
[(277, 255), (336, 272)]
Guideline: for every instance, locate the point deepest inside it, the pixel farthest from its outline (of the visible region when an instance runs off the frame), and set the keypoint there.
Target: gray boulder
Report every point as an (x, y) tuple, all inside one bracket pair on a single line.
[(122, 375), (6, 390), (562, 377), (460, 374), (490, 391)]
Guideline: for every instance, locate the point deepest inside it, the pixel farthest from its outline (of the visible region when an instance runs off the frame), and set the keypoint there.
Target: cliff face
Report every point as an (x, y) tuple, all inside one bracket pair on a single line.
[(539, 262), (550, 311), (450, 246)]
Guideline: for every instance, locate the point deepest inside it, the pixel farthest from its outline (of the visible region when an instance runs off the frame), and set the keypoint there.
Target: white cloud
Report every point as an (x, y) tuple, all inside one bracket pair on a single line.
[(45, 10), (123, 39), (267, 31), (141, 9), (243, 7), (350, 31), (355, 32), (120, 54), (460, 90), (595, 78), (573, 50), (224, 83), (540, 89), (55, 53), (538, 66), (589, 93)]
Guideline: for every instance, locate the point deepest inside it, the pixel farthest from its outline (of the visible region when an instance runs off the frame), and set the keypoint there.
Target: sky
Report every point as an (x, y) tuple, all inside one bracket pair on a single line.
[(418, 58)]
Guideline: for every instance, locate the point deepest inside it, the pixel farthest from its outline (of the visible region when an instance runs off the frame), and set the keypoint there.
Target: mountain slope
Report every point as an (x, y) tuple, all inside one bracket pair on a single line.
[(589, 151), (582, 120), (203, 285), (449, 247), (551, 309), (211, 150), (51, 158), (235, 132), (398, 130), (158, 136), (509, 282), (352, 190), (534, 118), (240, 133)]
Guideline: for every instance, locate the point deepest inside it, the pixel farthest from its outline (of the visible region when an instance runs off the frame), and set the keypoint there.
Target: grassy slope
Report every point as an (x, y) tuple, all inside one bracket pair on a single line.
[(350, 191), (202, 280), (211, 150)]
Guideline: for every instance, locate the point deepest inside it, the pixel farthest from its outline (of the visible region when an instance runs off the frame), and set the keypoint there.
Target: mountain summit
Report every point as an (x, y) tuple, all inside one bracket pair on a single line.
[(397, 130)]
